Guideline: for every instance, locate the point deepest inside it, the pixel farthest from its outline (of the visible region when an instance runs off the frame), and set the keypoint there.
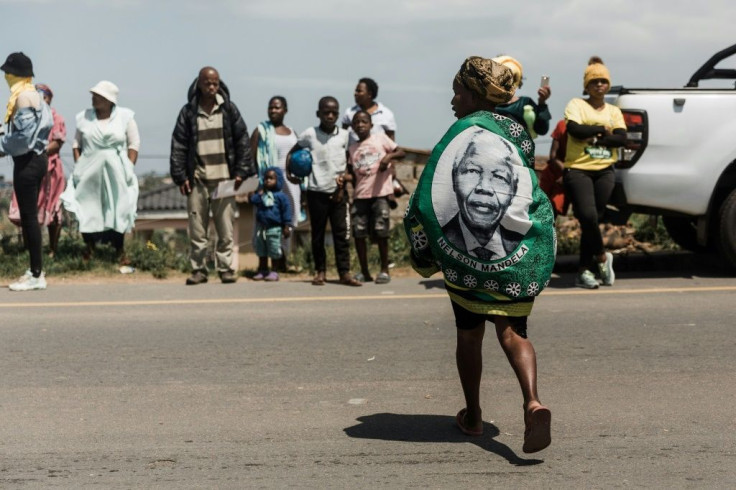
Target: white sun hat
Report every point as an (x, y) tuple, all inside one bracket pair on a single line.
[(107, 90)]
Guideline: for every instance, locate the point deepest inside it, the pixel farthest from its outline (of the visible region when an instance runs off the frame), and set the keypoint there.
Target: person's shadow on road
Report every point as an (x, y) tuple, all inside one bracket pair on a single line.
[(433, 284), (430, 428)]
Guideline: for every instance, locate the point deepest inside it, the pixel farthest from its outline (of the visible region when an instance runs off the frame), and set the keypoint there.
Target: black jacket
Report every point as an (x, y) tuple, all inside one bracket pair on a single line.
[(183, 159)]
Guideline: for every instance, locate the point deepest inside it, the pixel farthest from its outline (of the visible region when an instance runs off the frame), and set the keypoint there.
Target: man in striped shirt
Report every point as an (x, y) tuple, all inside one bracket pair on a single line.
[(210, 144)]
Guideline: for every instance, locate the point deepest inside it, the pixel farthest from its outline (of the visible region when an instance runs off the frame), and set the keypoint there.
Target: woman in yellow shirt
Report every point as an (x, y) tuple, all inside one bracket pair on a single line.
[(595, 130)]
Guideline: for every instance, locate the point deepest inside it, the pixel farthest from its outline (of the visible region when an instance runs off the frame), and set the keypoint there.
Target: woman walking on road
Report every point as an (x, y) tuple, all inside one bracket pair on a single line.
[(492, 238)]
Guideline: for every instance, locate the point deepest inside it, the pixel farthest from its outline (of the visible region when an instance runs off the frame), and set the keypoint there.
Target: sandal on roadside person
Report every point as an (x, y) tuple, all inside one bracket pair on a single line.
[(319, 279), (360, 277), (383, 278), (349, 280)]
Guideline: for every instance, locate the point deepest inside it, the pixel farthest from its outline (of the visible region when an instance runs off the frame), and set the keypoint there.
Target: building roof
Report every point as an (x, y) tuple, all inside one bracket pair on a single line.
[(164, 198)]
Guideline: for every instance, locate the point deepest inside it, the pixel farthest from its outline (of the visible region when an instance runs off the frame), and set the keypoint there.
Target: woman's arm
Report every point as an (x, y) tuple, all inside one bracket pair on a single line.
[(77, 145), (584, 131), (53, 147), (616, 139), (134, 140), (397, 154), (553, 154), (541, 123), (254, 139)]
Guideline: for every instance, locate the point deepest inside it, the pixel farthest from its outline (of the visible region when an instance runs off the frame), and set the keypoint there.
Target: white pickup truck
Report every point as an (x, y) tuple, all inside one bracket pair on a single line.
[(680, 162)]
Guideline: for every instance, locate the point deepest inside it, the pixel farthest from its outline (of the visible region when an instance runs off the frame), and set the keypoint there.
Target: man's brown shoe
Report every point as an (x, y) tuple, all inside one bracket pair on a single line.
[(197, 277), (228, 277)]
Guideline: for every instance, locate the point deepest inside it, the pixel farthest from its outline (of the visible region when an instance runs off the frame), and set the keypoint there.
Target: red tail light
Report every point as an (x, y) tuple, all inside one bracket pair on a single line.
[(633, 119), (637, 137)]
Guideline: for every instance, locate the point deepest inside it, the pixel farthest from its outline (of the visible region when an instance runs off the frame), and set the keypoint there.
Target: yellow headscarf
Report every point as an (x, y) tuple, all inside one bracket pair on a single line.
[(17, 85), (512, 64), (492, 81)]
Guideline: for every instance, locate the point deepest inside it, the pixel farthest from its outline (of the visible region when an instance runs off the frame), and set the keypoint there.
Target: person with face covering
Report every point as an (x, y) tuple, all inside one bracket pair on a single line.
[(595, 131), (487, 159), (53, 183), (24, 136), (103, 190)]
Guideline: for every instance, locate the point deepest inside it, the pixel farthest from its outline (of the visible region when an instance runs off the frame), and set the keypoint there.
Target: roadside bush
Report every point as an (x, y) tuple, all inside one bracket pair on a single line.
[(159, 256), (155, 256), (651, 229)]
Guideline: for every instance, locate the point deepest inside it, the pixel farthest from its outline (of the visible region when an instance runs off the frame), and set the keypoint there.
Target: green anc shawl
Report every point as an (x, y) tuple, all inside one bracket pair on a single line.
[(483, 169)]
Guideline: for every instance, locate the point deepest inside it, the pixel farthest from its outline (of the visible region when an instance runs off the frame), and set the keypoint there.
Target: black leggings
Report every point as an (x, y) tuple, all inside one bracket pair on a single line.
[(589, 192), (28, 171), (321, 209)]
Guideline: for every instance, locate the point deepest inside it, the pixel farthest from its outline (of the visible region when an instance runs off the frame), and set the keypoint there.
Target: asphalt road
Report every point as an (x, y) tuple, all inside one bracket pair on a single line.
[(158, 385)]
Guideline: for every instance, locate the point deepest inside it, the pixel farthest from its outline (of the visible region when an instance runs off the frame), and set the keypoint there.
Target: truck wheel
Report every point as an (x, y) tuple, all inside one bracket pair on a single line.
[(684, 232), (727, 230)]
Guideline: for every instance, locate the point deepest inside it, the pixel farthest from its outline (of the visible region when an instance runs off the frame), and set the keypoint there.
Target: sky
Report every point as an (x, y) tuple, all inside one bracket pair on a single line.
[(303, 50)]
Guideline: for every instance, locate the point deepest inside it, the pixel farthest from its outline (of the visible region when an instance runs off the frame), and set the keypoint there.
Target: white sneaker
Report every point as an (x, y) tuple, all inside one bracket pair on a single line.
[(606, 270), (26, 275), (586, 280), (28, 283)]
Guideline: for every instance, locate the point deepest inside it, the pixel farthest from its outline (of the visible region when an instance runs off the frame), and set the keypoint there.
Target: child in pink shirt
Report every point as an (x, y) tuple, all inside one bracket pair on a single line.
[(369, 163)]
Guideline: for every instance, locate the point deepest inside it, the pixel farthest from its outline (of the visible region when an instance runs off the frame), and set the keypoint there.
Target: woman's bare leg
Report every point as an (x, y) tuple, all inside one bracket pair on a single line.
[(469, 358)]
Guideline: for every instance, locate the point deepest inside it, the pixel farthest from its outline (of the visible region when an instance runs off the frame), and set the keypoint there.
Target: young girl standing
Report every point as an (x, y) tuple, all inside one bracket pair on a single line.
[(370, 162)]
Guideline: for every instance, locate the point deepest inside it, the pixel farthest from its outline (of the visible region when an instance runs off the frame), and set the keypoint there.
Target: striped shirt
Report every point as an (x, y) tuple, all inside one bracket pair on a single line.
[(211, 159)]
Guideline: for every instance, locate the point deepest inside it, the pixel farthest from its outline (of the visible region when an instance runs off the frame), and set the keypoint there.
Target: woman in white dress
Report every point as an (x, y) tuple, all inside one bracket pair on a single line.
[(103, 189)]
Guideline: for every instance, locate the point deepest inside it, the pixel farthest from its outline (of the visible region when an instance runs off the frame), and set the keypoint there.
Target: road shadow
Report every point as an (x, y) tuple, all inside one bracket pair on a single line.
[(433, 284), (431, 428), (675, 264), (667, 264), (656, 264)]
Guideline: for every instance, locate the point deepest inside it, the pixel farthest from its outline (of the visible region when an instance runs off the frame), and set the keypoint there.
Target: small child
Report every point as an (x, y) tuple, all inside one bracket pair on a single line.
[(326, 199), (370, 164), (273, 217)]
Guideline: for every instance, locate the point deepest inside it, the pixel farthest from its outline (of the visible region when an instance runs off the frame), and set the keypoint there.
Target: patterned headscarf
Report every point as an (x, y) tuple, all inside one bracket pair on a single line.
[(490, 80)]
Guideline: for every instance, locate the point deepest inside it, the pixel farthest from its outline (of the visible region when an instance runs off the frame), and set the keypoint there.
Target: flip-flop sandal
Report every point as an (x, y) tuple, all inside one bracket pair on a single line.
[(350, 281), (460, 421), (360, 277), (383, 278), (537, 434)]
